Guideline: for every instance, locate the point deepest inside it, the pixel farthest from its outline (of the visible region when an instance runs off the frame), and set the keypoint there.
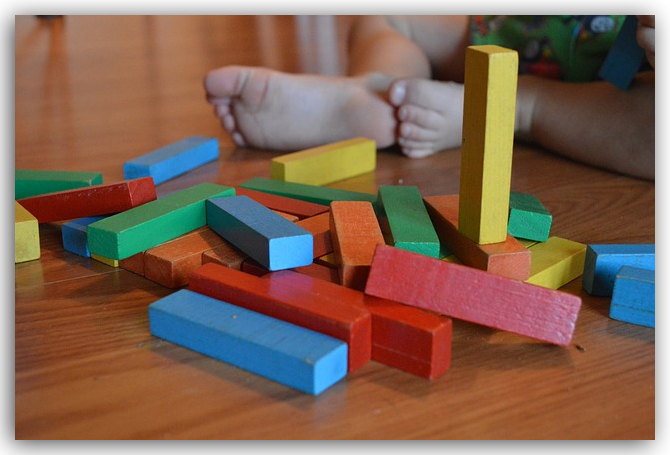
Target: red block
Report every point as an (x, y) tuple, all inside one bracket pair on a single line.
[(509, 258), (320, 271), (301, 209), (403, 337), (345, 322), (473, 295), (134, 263), (105, 199)]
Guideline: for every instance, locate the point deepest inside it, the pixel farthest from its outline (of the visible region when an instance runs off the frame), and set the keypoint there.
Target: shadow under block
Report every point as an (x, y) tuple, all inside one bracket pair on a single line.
[(319, 226), (603, 261), (301, 209), (29, 183), (74, 235), (173, 160), (327, 163), (528, 218), (488, 137), (285, 353), (556, 262), (624, 58), (26, 235), (634, 296), (334, 318), (473, 295), (93, 200), (267, 237), (509, 258), (138, 229), (403, 337), (310, 193), (410, 226), (355, 233), (171, 263)]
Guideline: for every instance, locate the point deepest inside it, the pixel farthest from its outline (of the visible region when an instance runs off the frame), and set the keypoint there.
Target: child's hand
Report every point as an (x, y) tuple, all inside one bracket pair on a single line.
[(645, 36)]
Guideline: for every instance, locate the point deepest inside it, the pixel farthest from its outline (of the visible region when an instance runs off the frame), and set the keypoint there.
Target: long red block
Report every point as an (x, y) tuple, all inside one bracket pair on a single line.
[(509, 258), (473, 295), (93, 200), (342, 321), (403, 337), (319, 226), (301, 209)]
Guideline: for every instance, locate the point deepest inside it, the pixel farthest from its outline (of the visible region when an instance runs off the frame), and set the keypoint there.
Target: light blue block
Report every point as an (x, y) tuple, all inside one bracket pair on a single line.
[(173, 160), (603, 261), (272, 240), (635, 288), (291, 355), (74, 235), (633, 316)]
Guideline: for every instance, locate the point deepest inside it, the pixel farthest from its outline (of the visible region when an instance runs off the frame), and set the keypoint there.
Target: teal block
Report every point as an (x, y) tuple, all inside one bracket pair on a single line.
[(29, 183), (625, 56), (74, 234), (528, 218), (310, 193)]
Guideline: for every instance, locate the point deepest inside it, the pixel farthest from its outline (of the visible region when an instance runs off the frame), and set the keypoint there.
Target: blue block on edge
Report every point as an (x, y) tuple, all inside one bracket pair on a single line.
[(634, 296), (603, 261), (75, 237), (173, 160), (291, 355), (269, 238), (624, 58)]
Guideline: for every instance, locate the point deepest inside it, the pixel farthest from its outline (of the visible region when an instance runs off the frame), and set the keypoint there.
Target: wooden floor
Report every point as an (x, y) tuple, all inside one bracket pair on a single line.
[(93, 92)]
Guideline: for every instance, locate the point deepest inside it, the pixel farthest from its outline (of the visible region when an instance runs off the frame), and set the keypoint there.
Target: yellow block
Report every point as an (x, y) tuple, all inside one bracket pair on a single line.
[(110, 262), (488, 137), (556, 262), (327, 163), (26, 235)]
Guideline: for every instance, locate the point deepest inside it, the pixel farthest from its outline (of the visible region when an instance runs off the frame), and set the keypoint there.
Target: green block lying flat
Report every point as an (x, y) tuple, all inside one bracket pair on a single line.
[(528, 218), (310, 193), (29, 183), (410, 225), (140, 228)]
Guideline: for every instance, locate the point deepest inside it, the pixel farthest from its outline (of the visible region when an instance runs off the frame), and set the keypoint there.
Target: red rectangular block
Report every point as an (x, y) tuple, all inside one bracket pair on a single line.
[(134, 263), (319, 226), (301, 209), (473, 295), (403, 337), (105, 199), (345, 322), (509, 258)]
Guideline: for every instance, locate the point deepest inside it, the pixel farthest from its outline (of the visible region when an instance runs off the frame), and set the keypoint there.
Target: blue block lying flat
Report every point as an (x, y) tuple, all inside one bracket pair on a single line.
[(624, 58), (634, 296), (173, 160), (291, 355), (604, 261), (267, 237), (74, 235)]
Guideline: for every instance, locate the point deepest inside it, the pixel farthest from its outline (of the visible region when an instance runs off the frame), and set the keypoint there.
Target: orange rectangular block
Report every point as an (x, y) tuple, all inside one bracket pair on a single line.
[(319, 226), (302, 209), (321, 272), (225, 254), (355, 233), (509, 258), (134, 263)]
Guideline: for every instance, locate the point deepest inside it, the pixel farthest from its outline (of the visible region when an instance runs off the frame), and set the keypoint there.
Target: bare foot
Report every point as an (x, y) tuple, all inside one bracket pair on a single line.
[(430, 115), (268, 109)]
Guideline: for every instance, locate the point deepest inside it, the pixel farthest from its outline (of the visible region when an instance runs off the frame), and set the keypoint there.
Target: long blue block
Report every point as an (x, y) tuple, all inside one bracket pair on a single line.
[(74, 235), (634, 296), (267, 237), (291, 355), (624, 58), (173, 160), (603, 261)]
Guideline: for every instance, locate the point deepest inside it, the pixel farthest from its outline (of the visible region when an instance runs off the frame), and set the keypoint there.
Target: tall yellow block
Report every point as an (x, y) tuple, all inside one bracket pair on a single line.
[(556, 262), (488, 138), (327, 163), (26, 235)]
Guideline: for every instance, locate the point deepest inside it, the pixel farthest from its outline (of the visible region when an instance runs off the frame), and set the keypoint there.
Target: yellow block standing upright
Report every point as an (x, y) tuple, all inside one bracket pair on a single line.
[(26, 235), (327, 163), (488, 136)]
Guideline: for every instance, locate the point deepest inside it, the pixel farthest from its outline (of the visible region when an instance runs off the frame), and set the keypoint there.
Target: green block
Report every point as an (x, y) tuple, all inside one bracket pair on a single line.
[(408, 220), (140, 228), (29, 183), (310, 193), (528, 218)]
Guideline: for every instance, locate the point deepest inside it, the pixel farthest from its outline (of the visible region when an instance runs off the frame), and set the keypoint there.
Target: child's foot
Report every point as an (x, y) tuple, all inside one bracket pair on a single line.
[(430, 115), (268, 109)]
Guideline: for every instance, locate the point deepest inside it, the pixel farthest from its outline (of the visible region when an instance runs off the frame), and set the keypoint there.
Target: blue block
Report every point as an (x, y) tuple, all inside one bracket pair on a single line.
[(624, 58), (267, 237), (173, 160), (635, 288), (633, 316), (291, 355), (604, 261), (74, 235)]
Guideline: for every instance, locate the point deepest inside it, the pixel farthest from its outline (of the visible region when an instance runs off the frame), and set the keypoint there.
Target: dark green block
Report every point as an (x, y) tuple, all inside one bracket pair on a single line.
[(528, 218), (310, 193), (29, 183)]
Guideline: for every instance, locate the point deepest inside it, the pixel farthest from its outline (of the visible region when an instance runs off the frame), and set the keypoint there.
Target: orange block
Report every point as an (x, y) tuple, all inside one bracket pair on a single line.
[(302, 209), (225, 254), (134, 263), (355, 234), (319, 226), (321, 272), (509, 258)]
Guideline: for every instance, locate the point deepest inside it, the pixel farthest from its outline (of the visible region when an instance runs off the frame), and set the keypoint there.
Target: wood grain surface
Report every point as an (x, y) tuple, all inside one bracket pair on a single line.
[(92, 92)]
